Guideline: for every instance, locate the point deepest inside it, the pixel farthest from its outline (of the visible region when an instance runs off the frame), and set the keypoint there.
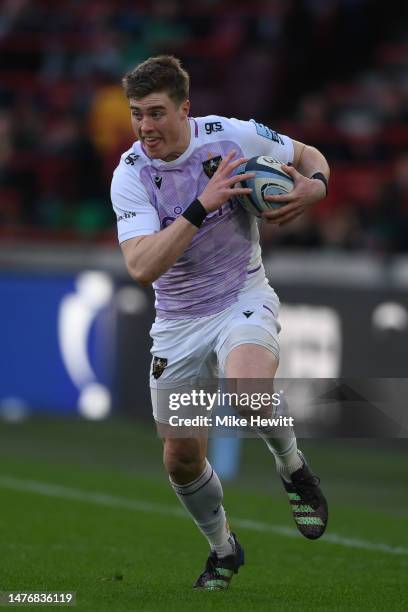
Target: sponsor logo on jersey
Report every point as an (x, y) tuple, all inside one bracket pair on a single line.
[(158, 181), (210, 166), (126, 215), (266, 132), (131, 158), (248, 313), (213, 126), (166, 221), (159, 363)]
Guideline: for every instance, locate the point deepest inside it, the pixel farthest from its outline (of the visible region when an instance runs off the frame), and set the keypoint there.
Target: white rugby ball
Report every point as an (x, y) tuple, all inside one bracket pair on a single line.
[(269, 179)]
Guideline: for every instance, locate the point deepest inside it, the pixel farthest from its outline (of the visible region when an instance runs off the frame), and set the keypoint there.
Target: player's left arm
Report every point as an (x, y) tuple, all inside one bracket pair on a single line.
[(307, 161)]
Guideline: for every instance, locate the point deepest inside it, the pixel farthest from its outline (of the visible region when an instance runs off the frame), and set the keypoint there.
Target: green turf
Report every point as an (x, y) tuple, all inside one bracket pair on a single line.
[(119, 558)]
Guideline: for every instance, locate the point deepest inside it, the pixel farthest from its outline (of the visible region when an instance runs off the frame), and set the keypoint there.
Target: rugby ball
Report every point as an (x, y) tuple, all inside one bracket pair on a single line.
[(269, 179)]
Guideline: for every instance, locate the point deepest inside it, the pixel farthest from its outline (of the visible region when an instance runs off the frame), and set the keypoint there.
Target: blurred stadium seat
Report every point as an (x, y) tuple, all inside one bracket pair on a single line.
[(61, 65)]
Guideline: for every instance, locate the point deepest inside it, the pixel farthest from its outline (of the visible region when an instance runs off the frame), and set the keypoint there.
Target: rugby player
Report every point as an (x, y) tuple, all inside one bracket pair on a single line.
[(182, 229)]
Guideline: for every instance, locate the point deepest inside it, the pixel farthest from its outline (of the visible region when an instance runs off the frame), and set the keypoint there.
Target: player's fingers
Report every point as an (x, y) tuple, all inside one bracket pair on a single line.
[(284, 197), (237, 162), (236, 191), (225, 160), (279, 212), (288, 220), (287, 217), (270, 221), (291, 170), (237, 178), (280, 217), (278, 221)]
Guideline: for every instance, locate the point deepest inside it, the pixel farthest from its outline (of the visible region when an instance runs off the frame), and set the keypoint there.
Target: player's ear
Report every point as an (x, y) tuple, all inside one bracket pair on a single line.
[(185, 107)]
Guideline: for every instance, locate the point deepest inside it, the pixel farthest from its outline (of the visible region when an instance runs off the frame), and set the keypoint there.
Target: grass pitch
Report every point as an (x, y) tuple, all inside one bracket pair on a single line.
[(86, 507)]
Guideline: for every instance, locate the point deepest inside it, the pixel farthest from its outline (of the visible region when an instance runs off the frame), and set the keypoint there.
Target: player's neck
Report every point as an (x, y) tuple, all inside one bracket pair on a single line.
[(183, 143)]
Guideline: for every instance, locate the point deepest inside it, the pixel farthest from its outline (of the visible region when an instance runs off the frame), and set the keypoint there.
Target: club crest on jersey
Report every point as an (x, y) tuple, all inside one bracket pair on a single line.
[(211, 165), (159, 363)]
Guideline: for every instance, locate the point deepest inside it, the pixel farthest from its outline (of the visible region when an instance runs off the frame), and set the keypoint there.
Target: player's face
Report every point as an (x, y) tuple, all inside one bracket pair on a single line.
[(161, 125)]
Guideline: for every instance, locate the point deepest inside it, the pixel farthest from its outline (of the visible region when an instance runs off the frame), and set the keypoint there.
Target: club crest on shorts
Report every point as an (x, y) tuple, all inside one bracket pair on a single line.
[(159, 363), (211, 165)]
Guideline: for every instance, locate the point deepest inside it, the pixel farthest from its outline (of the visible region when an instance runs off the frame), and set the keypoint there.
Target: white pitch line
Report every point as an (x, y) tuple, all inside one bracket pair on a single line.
[(102, 499)]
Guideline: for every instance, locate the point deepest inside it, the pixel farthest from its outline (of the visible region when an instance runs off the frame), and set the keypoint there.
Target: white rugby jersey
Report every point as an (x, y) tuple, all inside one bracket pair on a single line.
[(148, 194)]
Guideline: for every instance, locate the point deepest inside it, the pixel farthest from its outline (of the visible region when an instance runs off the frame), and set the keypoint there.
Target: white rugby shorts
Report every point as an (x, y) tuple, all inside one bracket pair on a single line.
[(193, 352)]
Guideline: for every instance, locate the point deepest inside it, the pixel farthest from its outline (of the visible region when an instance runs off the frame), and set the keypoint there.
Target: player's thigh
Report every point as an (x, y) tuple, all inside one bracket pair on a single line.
[(251, 361), (248, 351), (181, 360), (179, 350), (249, 378), (248, 346)]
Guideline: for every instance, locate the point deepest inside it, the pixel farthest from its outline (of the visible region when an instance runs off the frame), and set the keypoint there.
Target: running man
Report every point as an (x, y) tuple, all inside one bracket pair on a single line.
[(182, 229)]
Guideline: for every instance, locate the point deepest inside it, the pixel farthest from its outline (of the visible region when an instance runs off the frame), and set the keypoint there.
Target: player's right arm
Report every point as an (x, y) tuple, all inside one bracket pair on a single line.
[(147, 257)]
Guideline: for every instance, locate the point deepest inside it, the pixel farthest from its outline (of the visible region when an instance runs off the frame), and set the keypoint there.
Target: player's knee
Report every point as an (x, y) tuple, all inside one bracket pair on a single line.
[(183, 462)]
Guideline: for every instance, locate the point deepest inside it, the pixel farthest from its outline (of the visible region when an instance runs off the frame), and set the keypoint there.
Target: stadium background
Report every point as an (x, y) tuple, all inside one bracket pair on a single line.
[(74, 356)]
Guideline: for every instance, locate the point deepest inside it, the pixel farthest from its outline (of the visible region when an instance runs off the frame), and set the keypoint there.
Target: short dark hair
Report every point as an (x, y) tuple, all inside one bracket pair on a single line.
[(163, 73)]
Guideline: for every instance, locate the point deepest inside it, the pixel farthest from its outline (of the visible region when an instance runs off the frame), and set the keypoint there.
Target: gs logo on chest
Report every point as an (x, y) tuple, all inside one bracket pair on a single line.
[(213, 126)]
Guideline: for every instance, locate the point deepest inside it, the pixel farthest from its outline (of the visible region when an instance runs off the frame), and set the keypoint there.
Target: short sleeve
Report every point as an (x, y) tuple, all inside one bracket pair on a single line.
[(135, 214), (258, 139)]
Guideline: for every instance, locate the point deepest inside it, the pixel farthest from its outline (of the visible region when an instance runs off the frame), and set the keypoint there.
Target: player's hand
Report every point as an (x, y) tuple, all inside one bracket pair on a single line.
[(221, 186), (305, 193)]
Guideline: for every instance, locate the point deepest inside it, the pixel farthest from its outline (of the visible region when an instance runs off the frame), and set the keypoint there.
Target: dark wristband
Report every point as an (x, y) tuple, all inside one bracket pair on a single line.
[(320, 176), (195, 213)]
